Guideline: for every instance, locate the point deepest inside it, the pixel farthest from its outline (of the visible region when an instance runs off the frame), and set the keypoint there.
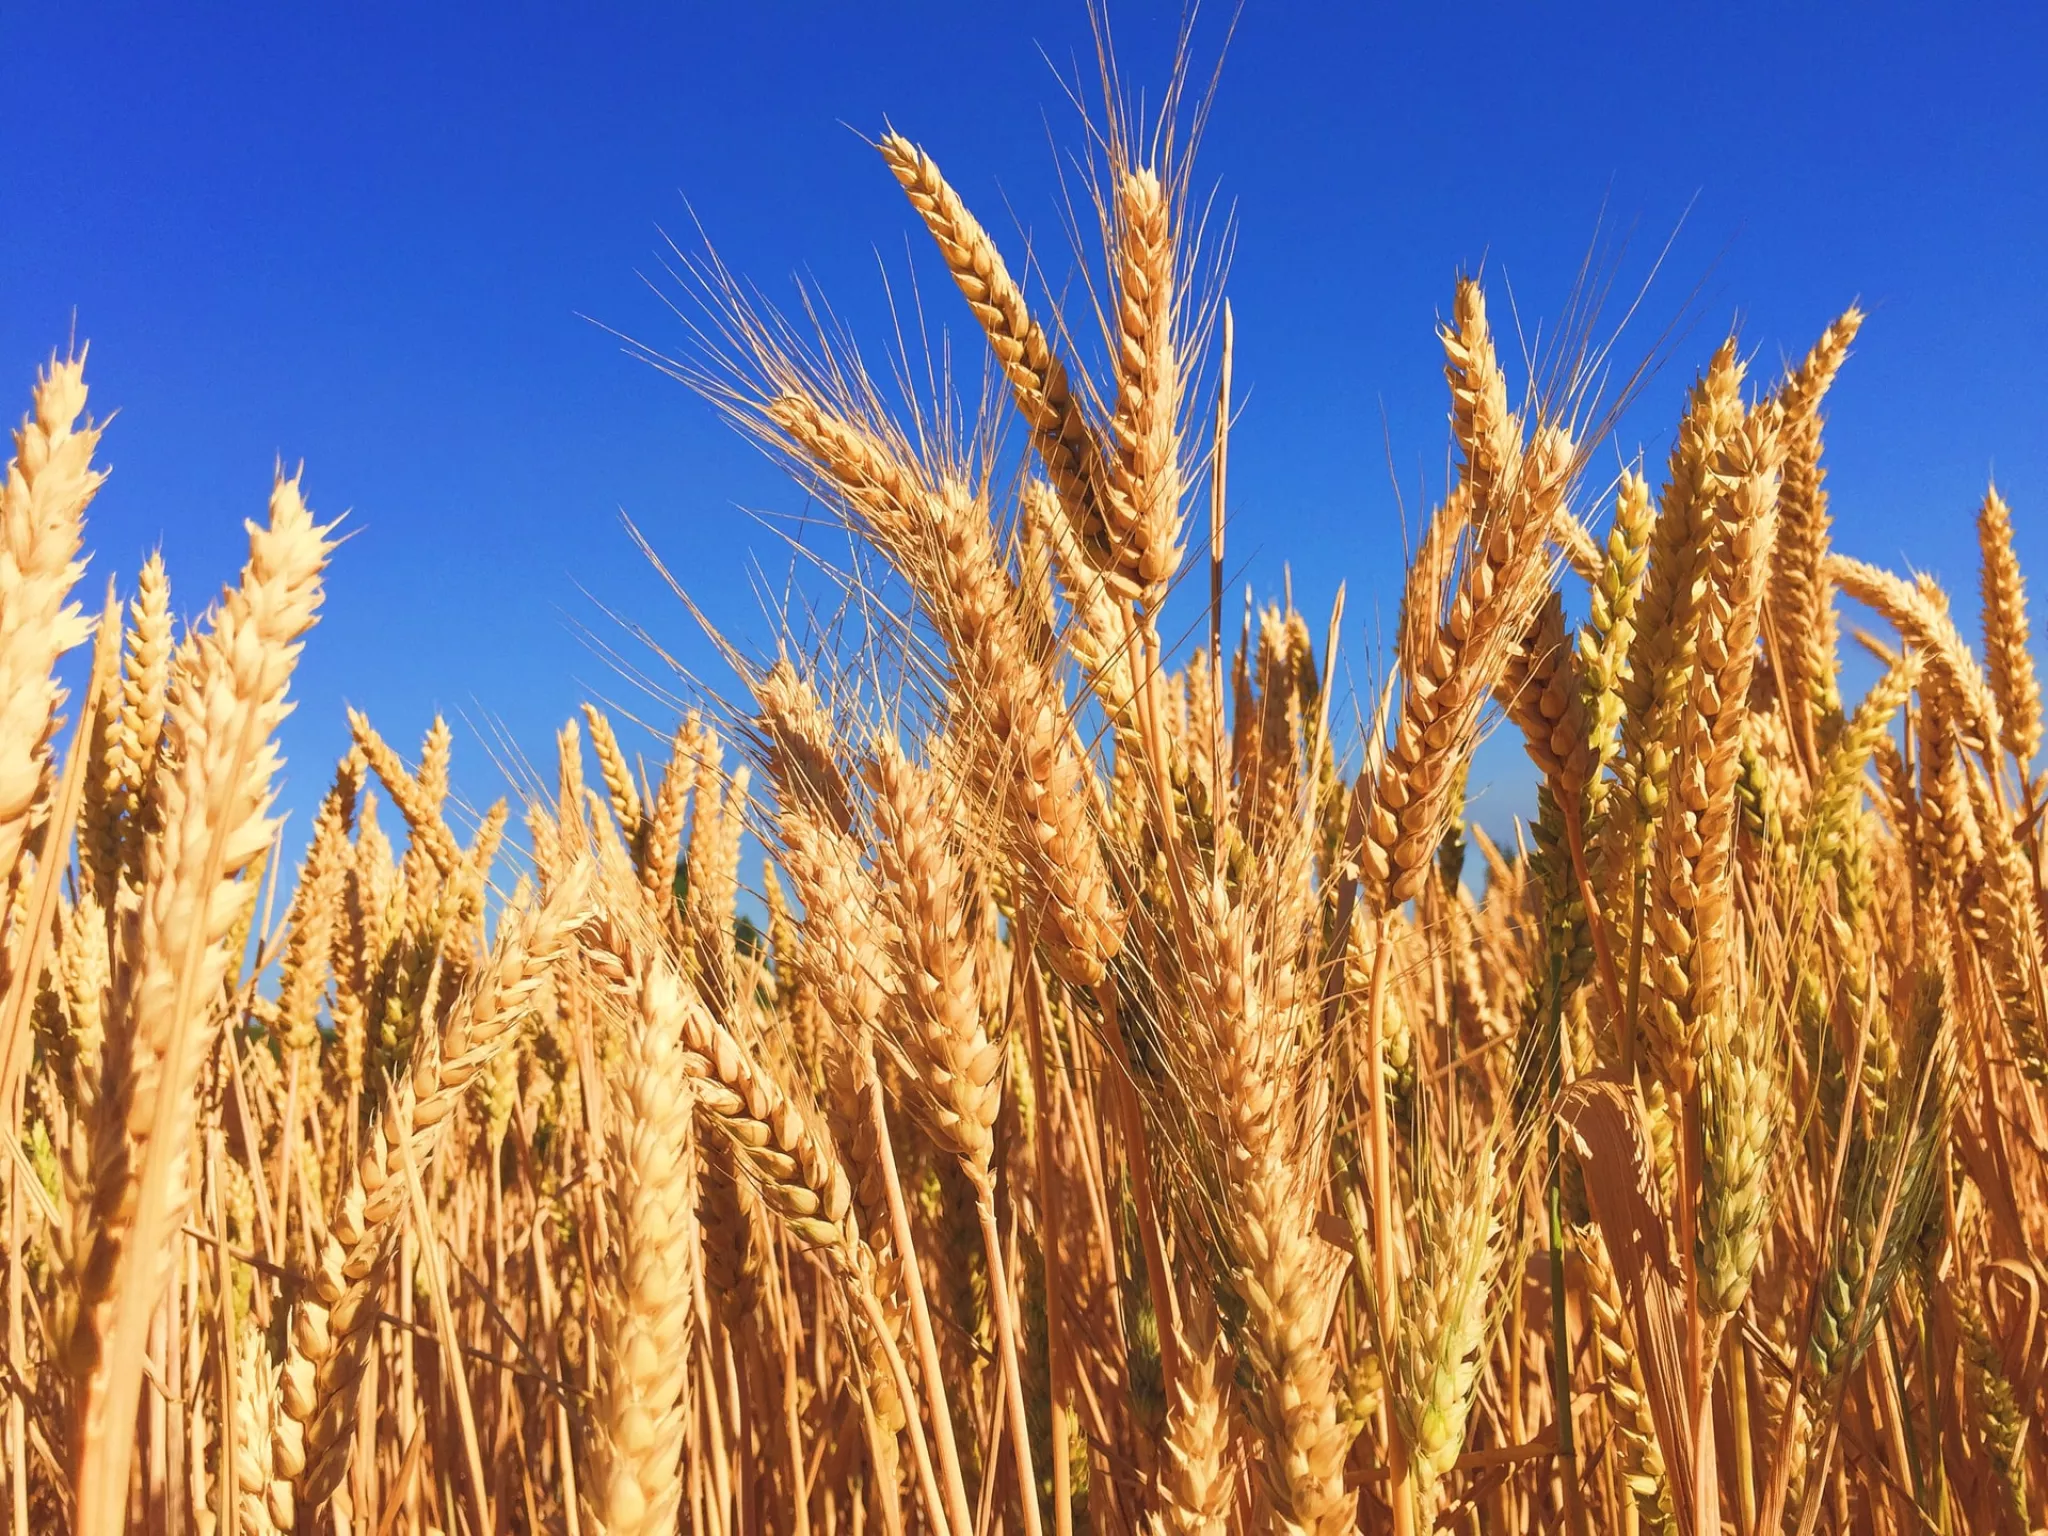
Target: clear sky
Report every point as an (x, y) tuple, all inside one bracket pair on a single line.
[(366, 237)]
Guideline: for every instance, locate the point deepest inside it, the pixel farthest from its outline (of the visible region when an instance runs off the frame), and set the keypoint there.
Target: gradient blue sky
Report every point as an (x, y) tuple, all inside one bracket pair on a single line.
[(364, 238)]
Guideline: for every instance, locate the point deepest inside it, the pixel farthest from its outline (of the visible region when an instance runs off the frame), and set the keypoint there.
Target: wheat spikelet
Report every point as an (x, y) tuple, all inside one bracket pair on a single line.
[(1997, 1417), (1449, 666), (1250, 1021), (1838, 794), (417, 802), (1741, 1105), (1892, 1177), (713, 866), (265, 1507), (1019, 714), (661, 838), (1097, 636), (316, 907), (617, 773), (1604, 644), (1541, 693), (1489, 437)]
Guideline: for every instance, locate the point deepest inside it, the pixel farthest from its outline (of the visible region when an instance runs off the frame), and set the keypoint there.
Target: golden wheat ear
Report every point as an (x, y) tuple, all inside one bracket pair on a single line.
[(166, 1016), (50, 482)]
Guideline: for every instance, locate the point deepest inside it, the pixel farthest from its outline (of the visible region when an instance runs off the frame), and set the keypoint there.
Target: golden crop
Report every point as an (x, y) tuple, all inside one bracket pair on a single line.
[(1132, 1118)]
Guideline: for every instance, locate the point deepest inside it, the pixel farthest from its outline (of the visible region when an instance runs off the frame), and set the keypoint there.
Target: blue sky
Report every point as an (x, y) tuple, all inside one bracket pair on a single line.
[(366, 238)]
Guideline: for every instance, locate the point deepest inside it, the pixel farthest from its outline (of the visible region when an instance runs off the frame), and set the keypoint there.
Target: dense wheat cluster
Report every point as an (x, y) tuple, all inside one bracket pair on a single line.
[(1128, 1116)]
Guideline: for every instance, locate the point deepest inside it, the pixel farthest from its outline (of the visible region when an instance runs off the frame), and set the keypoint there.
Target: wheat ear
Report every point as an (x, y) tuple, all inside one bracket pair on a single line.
[(1918, 611), (266, 1507), (1660, 658), (1691, 906), (134, 730), (2006, 633), (1438, 1350), (1456, 643), (1038, 380), (1142, 506), (1799, 609), (1621, 1380), (790, 1160), (50, 480), (1248, 1015), (161, 1028), (617, 774), (648, 1288), (414, 796)]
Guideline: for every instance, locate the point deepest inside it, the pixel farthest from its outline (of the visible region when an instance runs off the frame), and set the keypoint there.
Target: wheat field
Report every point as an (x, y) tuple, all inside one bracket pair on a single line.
[(1148, 1105)]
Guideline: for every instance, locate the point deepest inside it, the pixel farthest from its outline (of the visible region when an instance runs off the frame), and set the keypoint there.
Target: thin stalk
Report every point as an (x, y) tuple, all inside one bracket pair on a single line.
[(920, 1313), (1631, 1012), (927, 1480), (1737, 1367), (1401, 1489), (1561, 1344), (1219, 484), (1006, 1341), (1158, 1277), (1596, 920), (444, 1323), (1699, 1377), (1771, 1516), (17, 1340), (228, 1516), (1049, 1249)]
